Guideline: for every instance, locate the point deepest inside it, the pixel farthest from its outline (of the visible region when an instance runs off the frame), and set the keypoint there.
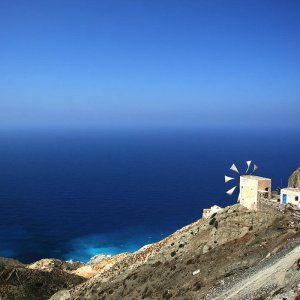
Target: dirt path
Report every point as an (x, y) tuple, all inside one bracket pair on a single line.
[(267, 276)]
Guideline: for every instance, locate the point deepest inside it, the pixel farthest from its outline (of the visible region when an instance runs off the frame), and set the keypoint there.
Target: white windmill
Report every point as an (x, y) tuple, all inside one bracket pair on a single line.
[(251, 168)]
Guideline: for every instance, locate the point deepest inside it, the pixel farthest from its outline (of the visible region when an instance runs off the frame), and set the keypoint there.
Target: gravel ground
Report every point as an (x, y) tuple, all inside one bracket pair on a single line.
[(233, 287)]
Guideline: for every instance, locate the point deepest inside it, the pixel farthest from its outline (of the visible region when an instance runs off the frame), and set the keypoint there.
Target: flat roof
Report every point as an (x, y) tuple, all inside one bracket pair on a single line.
[(255, 177), (291, 189)]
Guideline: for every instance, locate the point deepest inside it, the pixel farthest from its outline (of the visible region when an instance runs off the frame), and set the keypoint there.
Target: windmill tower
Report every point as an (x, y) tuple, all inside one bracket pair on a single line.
[(252, 188)]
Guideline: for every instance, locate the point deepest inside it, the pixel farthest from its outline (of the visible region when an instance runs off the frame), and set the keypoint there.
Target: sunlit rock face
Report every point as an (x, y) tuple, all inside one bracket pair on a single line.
[(294, 180)]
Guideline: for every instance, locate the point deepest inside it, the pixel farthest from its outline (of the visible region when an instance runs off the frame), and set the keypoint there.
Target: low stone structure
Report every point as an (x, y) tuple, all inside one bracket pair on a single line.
[(207, 212)]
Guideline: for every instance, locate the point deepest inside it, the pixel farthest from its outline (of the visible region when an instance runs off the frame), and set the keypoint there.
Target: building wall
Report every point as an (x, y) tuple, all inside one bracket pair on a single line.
[(265, 185), (250, 187), (248, 193), (206, 213), (291, 195)]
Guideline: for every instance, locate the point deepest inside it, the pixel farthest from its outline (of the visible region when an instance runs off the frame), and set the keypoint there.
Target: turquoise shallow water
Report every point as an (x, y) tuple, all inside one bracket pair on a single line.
[(72, 195)]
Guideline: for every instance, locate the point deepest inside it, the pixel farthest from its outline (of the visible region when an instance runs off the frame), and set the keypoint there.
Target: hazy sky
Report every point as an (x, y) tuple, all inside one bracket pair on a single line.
[(156, 63)]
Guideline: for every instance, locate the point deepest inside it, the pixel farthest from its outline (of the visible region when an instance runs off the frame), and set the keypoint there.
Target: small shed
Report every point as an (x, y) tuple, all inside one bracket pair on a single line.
[(207, 212)]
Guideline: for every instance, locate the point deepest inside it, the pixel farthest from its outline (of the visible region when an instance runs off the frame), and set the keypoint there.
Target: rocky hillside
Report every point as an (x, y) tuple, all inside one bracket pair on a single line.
[(276, 277), (294, 180), (195, 259), (37, 281), (235, 254)]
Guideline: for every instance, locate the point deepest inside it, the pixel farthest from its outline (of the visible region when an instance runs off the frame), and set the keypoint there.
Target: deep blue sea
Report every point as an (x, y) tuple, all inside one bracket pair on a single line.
[(74, 194)]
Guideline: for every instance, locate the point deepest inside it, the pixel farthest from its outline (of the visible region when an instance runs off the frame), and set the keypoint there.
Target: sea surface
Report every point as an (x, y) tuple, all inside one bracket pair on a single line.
[(73, 194)]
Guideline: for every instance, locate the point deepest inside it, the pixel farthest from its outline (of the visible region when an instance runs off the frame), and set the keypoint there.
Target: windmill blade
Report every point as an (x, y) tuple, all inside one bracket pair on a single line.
[(227, 178), (254, 168), (231, 191), (234, 168), (248, 164)]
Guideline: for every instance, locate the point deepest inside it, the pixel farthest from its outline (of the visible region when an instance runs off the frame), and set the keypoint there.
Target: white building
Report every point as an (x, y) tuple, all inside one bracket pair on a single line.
[(290, 195), (253, 189), (207, 212)]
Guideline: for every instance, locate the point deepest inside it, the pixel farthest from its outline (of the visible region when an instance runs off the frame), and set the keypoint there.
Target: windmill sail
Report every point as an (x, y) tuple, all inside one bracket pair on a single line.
[(248, 164), (227, 178), (231, 191), (254, 168), (234, 168)]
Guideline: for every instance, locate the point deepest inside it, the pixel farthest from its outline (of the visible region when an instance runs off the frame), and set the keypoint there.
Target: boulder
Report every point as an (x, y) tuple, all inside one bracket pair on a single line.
[(294, 180)]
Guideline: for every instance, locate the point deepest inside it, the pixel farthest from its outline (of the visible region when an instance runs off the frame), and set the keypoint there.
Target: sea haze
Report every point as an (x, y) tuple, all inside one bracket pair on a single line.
[(71, 195)]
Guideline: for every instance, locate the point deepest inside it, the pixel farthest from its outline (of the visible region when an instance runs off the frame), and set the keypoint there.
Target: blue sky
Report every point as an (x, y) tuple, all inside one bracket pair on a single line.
[(158, 63)]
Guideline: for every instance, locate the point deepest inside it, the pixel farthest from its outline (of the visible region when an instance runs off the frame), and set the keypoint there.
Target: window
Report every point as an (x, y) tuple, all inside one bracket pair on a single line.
[(296, 198), (266, 189)]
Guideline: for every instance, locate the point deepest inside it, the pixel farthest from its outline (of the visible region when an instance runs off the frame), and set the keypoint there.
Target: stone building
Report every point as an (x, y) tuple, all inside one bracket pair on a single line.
[(253, 189), (290, 195)]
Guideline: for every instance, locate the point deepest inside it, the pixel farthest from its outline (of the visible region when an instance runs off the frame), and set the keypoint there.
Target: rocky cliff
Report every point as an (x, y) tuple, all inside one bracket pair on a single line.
[(235, 254), (294, 180)]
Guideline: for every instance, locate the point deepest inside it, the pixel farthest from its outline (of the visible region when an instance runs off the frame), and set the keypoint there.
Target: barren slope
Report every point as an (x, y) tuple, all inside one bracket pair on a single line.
[(188, 263)]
